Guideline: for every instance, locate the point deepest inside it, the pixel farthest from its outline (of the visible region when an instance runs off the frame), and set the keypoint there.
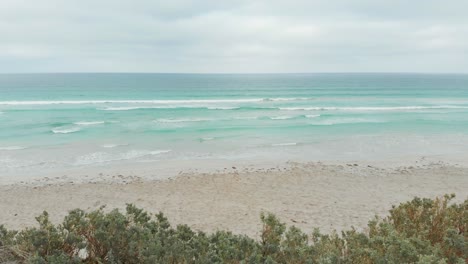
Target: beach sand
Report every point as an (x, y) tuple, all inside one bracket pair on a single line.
[(332, 195)]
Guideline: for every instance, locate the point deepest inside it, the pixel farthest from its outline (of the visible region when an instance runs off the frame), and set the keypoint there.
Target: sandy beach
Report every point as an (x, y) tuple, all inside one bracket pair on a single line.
[(328, 195)]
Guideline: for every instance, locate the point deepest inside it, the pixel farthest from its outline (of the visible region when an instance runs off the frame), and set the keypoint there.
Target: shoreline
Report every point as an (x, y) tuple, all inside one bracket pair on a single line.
[(327, 195), (157, 170)]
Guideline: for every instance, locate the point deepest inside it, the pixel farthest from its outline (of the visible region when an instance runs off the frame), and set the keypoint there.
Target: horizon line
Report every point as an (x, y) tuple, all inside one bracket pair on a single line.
[(236, 73)]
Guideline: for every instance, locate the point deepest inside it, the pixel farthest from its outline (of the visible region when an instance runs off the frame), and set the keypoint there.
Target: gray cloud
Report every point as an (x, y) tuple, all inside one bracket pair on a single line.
[(233, 36)]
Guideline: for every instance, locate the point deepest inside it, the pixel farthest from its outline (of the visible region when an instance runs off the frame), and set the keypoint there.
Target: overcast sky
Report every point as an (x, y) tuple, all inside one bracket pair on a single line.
[(234, 36)]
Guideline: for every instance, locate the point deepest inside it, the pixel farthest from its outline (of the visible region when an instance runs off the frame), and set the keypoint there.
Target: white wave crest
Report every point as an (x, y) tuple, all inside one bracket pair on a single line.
[(377, 108), (223, 108), (113, 145), (253, 100), (103, 157), (128, 108), (88, 123), (284, 144), (311, 116), (246, 117), (157, 152), (338, 121), (12, 148), (164, 120), (163, 102), (281, 99), (281, 117), (65, 130)]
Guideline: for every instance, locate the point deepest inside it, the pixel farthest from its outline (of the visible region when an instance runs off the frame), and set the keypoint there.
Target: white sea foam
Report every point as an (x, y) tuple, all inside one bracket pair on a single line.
[(119, 108), (12, 148), (9, 163), (245, 117), (96, 157), (284, 144), (337, 121), (281, 117), (312, 116), (113, 145), (157, 152), (128, 108), (223, 108), (207, 138), (88, 123), (280, 99), (195, 101), (164, 120), (377, 108), (65, 130), (103, 157)]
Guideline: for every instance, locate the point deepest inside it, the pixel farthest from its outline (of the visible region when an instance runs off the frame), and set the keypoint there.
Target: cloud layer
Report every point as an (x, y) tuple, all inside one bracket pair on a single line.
[(233, 36)]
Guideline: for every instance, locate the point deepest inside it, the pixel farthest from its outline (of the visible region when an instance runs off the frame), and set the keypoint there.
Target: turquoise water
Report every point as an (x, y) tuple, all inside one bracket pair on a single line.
[(63, 120)]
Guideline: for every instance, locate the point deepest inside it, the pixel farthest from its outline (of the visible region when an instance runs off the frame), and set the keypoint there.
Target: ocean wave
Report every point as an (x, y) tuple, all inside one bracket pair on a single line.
[(113, 145), (103, 157), (182, 101), (281, 117), (286, 117), (284, 144), (223, 108), (245, 117), (187, 120), (118, 108), (377, 108), (311, 116), (281, 99), (338, 121), (164, 120), (12, 148), (128, 108), (89, 123), (65, 130), (157, 152)]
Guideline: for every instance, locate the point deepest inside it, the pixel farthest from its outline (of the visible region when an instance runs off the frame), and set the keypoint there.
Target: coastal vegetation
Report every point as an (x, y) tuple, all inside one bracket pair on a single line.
[(418, 231)]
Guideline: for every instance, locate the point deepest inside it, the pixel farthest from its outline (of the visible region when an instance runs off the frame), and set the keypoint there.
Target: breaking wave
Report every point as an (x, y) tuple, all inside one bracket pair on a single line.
[(282, 117), (338, 121), (377, 108), (88, 123), (113, 145), (194, 101), (284, 144), (65, 130), (12, 148), (103, 157), (223, 108), (164, 120)]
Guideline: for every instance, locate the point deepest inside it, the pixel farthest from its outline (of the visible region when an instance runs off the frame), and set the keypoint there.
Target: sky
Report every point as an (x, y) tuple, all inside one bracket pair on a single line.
[(234, 36)]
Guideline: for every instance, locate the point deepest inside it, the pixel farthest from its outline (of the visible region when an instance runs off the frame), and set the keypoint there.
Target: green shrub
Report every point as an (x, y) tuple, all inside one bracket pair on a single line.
[(419, 231)]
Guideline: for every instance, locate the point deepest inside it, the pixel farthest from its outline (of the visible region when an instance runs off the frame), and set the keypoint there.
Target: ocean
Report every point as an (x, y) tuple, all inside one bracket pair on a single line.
[(62, 121)]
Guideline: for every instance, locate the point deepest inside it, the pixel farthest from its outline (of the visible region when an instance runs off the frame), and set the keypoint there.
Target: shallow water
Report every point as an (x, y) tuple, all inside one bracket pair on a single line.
[(57, 121)]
